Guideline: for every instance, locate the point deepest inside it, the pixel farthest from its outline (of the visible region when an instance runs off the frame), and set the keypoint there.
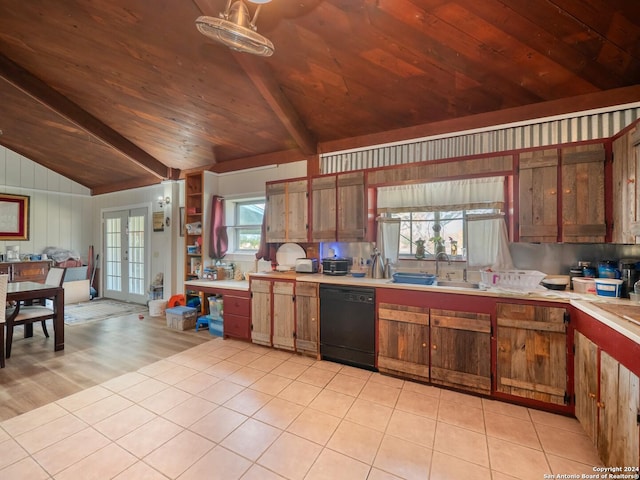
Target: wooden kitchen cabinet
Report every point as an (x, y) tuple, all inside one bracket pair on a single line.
[(283, 313), (532, 352), (607, 403), (461, 350), (571, 177), (261, 311), (236, 316), (323, 208), (538, 199), (583, 215), (403, 340), (339, 208), (626, 192), (307, 316), (352, 207), (287, 211)]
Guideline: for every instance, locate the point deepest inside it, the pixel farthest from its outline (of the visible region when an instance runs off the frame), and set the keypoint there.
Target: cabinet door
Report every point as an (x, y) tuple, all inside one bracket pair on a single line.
[(276, 212), (586, 383), (618, 431), (352, 207), (261, 312), (297, 211), (461, 350), (626, 191), (538, 196), (583, 194), (532, 352), (283, 315), (403, 340), (307, 311), (323, 209)]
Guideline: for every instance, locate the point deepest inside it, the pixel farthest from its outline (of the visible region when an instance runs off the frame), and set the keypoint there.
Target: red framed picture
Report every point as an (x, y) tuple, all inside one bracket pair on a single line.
[(14, 217)]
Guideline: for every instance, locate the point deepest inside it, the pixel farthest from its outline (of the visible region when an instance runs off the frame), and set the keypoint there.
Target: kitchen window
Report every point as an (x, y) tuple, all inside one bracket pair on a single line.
[(451, 205), (418, 225), (248, 222)]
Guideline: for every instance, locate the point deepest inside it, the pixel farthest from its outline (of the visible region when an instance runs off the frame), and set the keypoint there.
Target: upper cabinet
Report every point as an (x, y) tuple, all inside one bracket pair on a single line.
[(562, 195), (339, 208), (626, 192), (287, 211), (323, 208), (538, 201)]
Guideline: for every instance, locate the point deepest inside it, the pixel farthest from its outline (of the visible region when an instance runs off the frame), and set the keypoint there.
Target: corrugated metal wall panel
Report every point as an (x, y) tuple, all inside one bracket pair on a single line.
[(553, 132)]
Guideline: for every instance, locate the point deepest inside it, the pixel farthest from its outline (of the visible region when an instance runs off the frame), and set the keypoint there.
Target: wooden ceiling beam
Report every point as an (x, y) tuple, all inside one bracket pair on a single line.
[(61, 105), (264, 81), (274, 158), (593, 101)]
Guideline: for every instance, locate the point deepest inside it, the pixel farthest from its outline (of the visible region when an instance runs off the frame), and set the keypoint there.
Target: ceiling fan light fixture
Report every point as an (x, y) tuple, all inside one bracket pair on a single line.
[(236, 30)]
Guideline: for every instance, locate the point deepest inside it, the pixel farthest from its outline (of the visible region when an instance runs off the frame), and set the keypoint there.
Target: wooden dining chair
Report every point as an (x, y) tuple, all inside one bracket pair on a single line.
[(38, 311), (4, 280)]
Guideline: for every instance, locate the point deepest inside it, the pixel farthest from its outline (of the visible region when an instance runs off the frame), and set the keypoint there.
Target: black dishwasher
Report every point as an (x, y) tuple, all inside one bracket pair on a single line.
[(347, 325)]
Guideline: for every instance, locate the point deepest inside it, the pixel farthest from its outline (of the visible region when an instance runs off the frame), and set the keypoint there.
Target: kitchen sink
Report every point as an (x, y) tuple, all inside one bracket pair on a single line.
[(459, 284)]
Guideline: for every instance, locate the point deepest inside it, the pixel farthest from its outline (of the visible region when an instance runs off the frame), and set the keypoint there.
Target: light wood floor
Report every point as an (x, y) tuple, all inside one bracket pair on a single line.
[(94, 352)]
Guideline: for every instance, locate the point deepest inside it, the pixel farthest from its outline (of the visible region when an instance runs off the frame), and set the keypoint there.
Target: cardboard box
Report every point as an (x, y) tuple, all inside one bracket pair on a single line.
[(181, 318)]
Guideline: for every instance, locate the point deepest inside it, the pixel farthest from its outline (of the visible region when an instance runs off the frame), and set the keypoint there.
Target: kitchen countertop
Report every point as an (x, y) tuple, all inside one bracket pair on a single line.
[(588, 303), (242, 285)]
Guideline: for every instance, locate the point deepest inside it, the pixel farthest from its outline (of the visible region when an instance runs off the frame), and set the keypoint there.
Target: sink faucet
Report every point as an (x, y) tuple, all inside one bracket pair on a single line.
[(438, 255)]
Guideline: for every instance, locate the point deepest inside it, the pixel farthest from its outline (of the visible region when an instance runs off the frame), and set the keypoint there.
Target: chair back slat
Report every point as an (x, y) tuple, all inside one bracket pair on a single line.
[(55, 276)]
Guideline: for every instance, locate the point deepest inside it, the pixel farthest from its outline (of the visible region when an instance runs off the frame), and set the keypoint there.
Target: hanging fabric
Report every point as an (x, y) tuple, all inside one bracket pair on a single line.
[(218, 241), (488, 244), (264, 252)]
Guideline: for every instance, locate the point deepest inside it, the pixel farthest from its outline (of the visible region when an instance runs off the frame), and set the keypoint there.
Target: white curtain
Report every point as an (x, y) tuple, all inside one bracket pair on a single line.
[(443, 196), (488, 244)]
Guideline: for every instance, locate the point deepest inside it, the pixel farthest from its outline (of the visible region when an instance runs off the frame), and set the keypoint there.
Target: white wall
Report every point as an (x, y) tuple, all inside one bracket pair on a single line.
[(60, 213)]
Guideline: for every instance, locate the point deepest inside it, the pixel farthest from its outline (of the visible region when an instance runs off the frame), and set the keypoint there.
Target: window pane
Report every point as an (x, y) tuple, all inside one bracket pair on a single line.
[(248, 238), (250, 213)]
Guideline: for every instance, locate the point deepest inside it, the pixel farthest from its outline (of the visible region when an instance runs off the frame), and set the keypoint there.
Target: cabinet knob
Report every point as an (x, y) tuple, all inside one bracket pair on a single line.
[(631, 180), (592, 395), (424, 344), (600, 405), (435, 347)]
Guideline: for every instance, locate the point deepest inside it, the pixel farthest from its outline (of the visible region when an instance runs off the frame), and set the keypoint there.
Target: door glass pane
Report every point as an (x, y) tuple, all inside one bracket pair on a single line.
[(136, 255), (113, 253)]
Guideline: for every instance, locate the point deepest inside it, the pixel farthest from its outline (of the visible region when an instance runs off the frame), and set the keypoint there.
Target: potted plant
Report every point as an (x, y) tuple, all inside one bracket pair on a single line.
[(438, 241)]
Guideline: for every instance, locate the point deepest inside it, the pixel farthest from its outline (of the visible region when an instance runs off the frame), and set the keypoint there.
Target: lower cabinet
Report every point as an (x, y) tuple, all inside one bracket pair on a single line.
[(609, 414), (461, 350), (284, 326), (284, 314), (403, 340), (237, 310), (531, 359), (261, 312), (307, 315)]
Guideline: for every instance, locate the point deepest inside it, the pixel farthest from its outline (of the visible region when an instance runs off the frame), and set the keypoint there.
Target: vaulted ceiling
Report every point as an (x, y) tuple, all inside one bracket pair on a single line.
[(116, 94)]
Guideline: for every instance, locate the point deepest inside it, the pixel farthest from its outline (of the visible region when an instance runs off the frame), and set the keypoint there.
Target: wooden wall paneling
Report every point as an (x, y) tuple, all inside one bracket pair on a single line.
[(583, 190), (538, 199)]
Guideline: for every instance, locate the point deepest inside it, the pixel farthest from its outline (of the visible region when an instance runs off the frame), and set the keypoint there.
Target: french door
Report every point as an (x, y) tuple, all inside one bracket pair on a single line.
[(125, 253)]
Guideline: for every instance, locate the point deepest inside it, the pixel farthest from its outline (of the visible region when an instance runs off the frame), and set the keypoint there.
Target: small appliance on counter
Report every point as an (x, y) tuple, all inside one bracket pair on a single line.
[(335, 266), (629, 274), (307, 265)]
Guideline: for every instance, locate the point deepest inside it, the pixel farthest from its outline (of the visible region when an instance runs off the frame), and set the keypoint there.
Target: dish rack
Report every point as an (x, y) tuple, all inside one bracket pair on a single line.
[(512, 279)]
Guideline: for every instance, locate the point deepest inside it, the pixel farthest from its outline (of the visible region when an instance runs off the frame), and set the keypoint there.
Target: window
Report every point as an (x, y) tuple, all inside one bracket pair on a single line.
[(418, 225), (248, 222)]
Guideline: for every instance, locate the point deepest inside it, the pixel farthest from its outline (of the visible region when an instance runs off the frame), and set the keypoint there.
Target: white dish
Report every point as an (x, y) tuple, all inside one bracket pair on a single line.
[(288, 253)]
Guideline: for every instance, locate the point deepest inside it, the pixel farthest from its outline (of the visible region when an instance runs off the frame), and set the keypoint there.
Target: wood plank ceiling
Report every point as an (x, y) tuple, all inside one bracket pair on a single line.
[(115, 94)]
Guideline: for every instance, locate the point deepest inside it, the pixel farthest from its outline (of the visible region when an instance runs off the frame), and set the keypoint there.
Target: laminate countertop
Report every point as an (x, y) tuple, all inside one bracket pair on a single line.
[(609, 311)]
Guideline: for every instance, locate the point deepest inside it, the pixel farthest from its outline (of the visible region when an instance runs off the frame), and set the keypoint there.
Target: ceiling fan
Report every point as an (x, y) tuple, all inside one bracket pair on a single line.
[(235, 29)]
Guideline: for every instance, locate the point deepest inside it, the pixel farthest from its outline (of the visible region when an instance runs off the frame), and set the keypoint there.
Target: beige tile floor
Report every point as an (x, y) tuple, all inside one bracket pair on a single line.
[(230, 410)]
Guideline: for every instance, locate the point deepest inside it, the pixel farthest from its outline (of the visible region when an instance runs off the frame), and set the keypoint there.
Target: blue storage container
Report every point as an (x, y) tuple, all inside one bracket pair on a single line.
[(414, 278), (216, 327)]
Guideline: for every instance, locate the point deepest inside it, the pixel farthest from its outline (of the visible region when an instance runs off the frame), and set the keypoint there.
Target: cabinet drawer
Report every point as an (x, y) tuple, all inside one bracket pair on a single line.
[(236, 305), (237, 326)]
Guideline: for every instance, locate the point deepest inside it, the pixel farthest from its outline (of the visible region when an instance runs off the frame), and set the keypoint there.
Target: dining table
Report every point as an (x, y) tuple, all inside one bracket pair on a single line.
[(28, 291)]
